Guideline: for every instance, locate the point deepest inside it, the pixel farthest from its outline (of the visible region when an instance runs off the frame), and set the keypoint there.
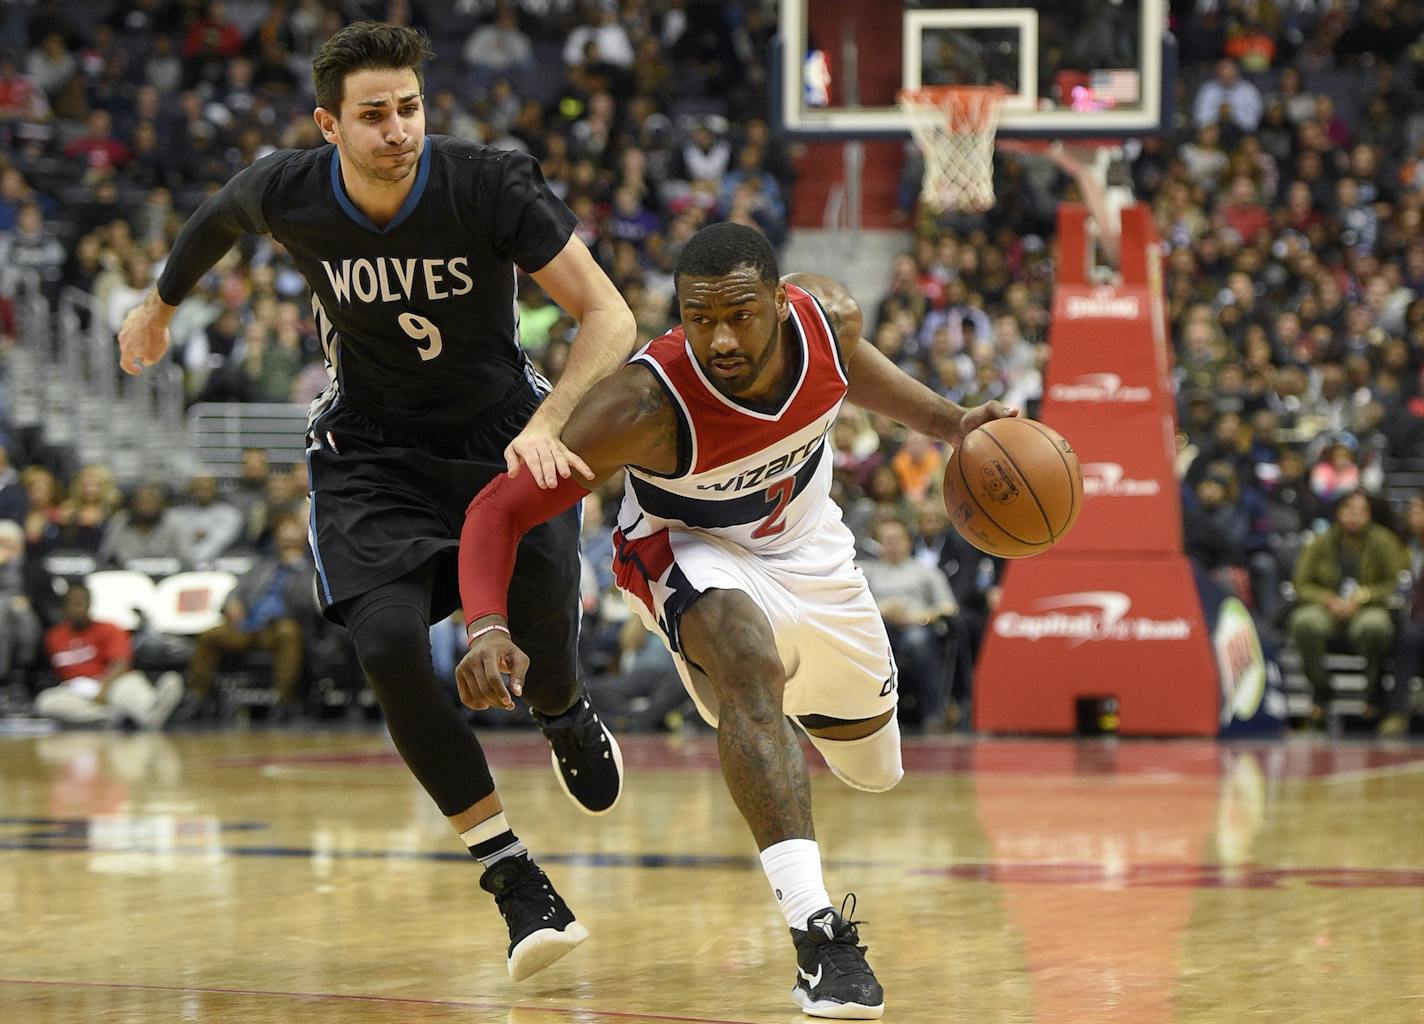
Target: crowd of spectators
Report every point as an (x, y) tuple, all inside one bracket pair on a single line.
[(1289, 190)]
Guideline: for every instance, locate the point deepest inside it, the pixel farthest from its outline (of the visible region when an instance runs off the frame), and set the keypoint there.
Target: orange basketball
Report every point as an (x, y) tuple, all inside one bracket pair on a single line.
[(1013, 488)]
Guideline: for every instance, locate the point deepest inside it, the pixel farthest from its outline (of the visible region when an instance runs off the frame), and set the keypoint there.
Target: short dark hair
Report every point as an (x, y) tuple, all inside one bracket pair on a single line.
[(362, 45), (718, 249)]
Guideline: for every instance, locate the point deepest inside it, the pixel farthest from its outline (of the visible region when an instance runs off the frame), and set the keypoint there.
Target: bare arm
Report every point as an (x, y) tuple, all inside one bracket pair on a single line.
[(877, 384), (603, 342)]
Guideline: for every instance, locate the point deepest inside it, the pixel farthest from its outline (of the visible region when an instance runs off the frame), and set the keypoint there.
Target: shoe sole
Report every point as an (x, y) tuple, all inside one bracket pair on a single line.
[(542, 948), (617, 761), (836, 1011)]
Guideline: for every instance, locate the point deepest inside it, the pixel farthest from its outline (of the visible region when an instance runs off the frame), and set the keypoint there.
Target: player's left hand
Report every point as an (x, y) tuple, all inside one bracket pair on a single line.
[(481, 673), (977, 417), (544, 454)]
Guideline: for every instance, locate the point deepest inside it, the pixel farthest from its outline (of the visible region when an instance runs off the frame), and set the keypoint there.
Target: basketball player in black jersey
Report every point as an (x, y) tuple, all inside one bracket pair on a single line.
[(410, 245)]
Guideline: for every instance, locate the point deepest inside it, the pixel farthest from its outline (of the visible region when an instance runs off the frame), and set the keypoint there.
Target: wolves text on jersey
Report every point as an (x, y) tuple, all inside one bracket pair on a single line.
[(387, 279), (757, 476)]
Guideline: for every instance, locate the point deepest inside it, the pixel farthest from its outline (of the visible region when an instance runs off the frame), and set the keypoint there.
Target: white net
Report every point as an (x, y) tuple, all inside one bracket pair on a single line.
[(954, 127)]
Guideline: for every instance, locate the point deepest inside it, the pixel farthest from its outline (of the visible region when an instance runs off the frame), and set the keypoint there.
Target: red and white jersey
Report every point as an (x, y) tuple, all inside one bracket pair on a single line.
[(760, 480)]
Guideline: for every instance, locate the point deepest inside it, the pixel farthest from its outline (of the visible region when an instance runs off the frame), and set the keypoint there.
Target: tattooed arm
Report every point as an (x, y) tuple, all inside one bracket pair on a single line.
[(877, 384)]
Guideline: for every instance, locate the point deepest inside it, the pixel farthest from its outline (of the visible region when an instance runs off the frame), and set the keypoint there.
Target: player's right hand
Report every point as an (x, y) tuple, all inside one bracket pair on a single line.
[(481, 673), (143, 338)]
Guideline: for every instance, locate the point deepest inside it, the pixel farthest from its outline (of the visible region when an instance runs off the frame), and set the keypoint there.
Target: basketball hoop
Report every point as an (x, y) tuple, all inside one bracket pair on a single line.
[(954, 127)]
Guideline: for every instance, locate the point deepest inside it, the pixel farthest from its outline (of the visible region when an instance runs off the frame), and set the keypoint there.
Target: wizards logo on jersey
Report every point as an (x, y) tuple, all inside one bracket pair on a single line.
[(387, 279), (759, 476)]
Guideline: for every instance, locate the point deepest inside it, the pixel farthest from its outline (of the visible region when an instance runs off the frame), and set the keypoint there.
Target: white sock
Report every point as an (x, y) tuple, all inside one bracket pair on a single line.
[(492, 840), (793, 867)]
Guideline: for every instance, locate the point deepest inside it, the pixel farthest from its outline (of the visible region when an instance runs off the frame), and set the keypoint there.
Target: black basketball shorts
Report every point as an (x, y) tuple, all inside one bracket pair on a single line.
[(384, 502)]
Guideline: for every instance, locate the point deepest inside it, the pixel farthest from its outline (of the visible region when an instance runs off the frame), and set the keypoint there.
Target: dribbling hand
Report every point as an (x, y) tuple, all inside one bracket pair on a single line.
[(480, 674), (978, 416), (143, 338)]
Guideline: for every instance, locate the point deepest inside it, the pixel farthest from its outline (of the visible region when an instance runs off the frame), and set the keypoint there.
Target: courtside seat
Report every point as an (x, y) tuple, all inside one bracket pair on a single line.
[(120, 596), (189, 603)]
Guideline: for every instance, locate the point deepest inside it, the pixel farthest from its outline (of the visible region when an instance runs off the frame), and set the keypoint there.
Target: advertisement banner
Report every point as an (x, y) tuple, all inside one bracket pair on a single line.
[(1131, 500), (1252, 690), (1089, 629)]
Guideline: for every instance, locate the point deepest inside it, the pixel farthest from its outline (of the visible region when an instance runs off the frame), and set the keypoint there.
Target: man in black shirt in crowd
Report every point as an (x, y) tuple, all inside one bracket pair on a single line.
[(410, 245)]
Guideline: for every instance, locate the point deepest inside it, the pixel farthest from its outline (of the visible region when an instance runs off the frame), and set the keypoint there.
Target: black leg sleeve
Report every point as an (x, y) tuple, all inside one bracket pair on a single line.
[(390, 629)]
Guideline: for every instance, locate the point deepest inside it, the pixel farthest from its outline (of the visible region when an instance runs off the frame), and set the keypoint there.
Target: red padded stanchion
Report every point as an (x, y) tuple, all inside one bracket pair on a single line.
[(1112, 610)]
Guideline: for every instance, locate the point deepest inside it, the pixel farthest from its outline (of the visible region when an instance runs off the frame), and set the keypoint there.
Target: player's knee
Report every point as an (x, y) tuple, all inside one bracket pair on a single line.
[(388, 641), (726, 634), (871, 763)]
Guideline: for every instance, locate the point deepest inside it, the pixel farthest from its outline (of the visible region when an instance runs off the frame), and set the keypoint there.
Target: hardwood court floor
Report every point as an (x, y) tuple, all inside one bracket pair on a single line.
[(303, 877)]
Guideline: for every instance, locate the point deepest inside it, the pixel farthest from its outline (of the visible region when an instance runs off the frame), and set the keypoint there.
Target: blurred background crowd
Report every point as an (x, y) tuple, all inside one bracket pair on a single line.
[(1289, 191)]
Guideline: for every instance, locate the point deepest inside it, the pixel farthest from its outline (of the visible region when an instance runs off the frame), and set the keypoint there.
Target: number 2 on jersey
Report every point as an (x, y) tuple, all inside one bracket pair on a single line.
[(421, 329), (779, 496)]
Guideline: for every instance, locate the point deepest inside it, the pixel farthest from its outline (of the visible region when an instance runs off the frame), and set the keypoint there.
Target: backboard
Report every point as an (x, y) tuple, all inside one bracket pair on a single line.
[(1072, 68)]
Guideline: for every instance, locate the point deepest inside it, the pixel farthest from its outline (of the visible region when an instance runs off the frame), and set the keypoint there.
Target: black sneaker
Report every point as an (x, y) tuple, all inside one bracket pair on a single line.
[(832, 976), (541, 925), (586, 758)]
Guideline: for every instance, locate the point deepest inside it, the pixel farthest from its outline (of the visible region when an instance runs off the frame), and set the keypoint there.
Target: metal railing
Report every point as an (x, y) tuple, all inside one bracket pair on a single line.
[(219, 431), (65, 377)]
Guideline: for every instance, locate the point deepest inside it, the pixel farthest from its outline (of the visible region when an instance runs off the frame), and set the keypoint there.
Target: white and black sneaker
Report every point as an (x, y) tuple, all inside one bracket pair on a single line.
[(833, 978), (541, 925), (586, 758)]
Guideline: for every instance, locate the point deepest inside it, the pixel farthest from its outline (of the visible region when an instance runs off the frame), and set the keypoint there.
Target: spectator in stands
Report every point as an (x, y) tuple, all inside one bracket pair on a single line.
[(1215, 528), (1409, 650), (500, 48), (914, 599), (283, 498), (208, 526), (1230, 94), (882, 499), (1343, 581), (1336, 473), (1204, 158), (14, 501), (706, 157), (93, 500), (610, 37), (9, 325), (32, 246), (269, 365), (1242, 212), (919, 467), (98, 148), (265, 613), (250, 490), (97, 682), (44, 519), (19, 625), (143, 531), (22, 101), (51, 65)]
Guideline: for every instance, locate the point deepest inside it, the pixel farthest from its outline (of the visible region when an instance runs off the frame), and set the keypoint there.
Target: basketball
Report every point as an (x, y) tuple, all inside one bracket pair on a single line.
[(1013, 488)]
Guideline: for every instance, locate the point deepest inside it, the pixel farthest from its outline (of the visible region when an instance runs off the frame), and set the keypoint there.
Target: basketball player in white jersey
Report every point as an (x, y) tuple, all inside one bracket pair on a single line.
[(729, 546)]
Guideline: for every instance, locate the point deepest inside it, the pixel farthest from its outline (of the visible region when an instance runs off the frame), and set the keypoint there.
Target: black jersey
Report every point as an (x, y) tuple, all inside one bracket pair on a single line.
[(418, 320)]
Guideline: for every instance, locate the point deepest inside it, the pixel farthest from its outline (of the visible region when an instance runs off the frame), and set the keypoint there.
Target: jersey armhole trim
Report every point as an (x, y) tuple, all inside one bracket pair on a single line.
[(831, 333), (686, 440)]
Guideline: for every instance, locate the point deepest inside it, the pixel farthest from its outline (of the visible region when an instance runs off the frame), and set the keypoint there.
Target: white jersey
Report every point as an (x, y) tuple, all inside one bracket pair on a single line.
[(759, 480), (749, 508)]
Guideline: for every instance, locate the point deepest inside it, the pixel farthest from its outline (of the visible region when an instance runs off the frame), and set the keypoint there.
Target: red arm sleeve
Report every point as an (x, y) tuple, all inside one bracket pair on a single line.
[(494, 522)]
